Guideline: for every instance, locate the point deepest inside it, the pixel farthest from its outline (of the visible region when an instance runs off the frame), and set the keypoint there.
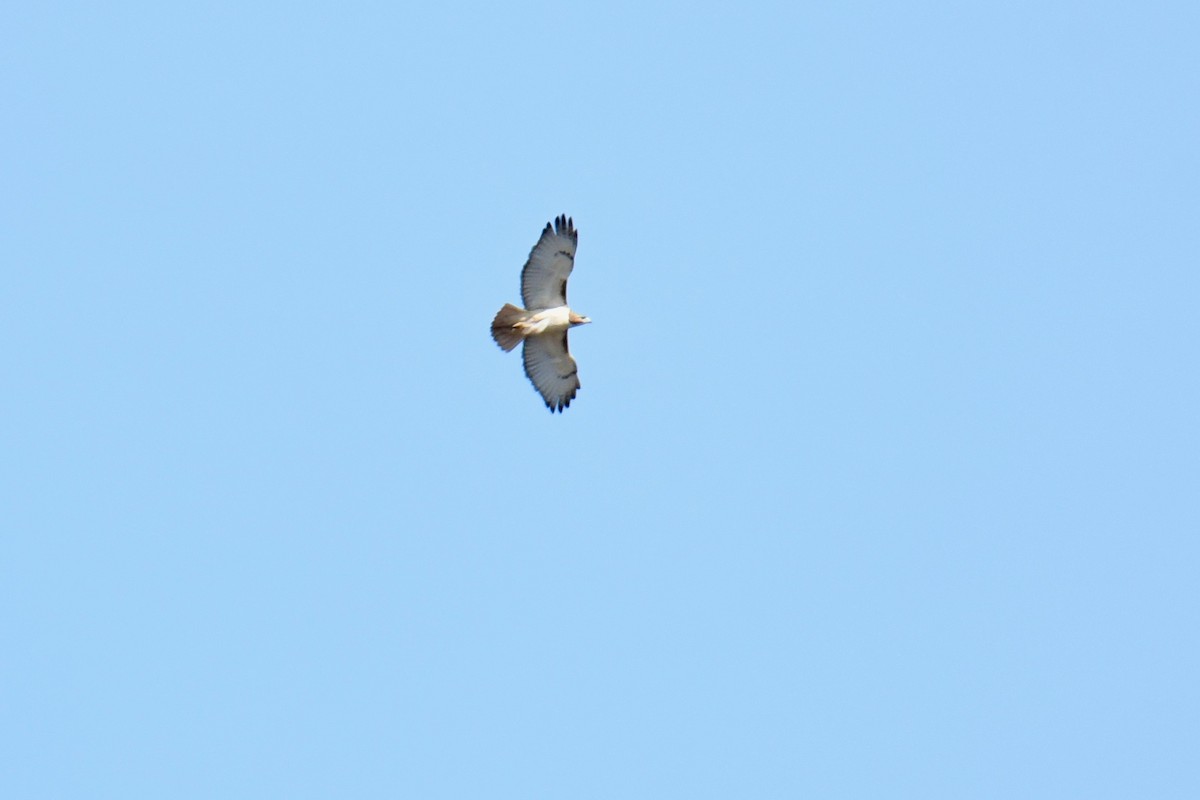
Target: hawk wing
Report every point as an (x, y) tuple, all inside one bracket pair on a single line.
[(544, 278), (550, 368)]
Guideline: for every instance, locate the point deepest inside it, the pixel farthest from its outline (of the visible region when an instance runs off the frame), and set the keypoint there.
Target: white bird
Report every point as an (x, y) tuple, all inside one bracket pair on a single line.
[(543, 324)]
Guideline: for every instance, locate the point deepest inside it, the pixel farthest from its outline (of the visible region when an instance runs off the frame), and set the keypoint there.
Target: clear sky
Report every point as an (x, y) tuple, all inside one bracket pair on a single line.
[(883, 480)]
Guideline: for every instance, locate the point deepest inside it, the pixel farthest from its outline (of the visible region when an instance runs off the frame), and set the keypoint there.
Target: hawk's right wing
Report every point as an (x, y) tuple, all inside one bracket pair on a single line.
[(544, 278)]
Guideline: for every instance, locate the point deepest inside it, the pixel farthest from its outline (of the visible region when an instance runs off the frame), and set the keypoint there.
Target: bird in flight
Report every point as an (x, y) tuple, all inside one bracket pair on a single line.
[(543, 324)]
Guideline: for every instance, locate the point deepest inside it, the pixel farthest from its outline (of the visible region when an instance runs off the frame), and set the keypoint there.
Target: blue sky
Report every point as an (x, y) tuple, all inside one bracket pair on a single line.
[(882, 481)]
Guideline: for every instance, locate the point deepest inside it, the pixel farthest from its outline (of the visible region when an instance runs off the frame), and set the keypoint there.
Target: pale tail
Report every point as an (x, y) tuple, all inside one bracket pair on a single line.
[(503, 330)]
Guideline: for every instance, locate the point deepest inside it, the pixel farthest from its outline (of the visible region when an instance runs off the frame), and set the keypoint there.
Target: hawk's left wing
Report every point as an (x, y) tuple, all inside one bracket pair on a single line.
[(551, 369), (544, 278)]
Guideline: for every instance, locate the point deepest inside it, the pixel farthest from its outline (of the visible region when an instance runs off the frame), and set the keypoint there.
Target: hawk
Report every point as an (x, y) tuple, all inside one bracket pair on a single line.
[(543, 324)]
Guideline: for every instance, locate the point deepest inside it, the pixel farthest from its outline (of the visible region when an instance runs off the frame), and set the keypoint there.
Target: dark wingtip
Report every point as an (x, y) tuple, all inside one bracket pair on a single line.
[(564, 225)]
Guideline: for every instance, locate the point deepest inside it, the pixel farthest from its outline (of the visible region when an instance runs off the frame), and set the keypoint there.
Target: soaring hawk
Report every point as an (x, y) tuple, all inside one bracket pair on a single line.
[(543, 324)]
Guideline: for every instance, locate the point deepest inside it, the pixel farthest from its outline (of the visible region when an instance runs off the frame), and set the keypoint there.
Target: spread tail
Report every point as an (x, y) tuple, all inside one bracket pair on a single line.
[(504, 327)]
